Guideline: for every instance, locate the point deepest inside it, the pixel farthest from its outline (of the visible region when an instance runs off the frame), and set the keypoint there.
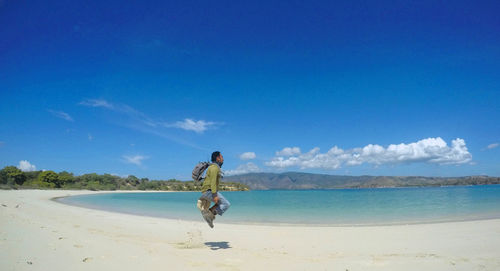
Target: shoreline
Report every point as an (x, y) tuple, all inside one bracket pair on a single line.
[(37, 233), (276, 224)]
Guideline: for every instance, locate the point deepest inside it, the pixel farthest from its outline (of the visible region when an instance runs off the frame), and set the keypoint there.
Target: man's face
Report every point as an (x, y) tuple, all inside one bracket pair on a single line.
[(220, 159)]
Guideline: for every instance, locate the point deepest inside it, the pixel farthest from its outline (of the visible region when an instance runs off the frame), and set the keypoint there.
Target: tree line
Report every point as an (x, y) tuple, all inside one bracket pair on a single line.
[(13, 178)]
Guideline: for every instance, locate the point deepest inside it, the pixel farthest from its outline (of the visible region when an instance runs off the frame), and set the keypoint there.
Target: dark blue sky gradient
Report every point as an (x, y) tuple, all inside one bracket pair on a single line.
[(274, 74)]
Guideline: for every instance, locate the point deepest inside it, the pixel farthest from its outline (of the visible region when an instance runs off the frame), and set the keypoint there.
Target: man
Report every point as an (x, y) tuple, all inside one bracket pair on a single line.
[(210, 190)]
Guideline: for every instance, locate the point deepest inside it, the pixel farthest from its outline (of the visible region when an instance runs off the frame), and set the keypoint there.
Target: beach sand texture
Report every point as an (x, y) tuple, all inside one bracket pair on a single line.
[(37, 233)]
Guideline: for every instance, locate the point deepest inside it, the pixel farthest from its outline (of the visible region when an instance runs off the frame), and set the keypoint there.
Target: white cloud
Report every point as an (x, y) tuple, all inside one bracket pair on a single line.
[(243, 169), (132, 113), (137, 120), (430, 150), (288, 151), (493, 145), (248, 156), (97, 103), (121, 176), (136, 159), (199, 126), (61, 115), (26, 166)]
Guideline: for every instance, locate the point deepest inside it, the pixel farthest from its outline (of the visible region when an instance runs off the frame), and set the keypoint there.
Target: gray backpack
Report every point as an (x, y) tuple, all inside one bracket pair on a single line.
[(198, 171)]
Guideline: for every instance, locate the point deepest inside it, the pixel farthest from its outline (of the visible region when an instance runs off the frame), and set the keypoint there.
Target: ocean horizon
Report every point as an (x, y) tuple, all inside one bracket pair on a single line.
[(329, 207)]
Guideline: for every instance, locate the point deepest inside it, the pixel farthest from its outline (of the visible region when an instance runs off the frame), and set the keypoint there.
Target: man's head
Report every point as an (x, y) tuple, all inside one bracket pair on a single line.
[(217, 158)]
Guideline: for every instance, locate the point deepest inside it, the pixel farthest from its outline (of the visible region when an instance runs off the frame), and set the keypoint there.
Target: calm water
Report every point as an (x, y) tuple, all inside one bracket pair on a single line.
[(322, 207)]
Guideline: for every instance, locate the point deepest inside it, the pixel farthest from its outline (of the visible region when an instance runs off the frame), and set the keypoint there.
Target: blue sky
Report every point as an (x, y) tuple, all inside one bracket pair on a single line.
[(151, 88)]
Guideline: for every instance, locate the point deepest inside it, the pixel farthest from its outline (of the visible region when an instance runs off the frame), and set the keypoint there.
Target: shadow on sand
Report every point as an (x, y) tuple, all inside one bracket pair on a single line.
[(217, 245)]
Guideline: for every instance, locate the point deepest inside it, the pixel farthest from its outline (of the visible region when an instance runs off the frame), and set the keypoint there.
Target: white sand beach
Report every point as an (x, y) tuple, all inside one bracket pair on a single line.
[(37, 233)]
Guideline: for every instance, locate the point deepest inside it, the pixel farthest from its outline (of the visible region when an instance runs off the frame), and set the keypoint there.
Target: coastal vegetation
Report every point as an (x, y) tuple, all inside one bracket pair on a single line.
[(13, 178)]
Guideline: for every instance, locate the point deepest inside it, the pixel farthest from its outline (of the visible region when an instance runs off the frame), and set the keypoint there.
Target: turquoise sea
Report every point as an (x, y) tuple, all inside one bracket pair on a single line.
[(380, 206)]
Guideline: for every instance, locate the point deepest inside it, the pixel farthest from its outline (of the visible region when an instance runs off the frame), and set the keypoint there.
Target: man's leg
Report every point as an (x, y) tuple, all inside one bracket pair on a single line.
[(209, 196), (204, 202), (220, 207), (213, 209)]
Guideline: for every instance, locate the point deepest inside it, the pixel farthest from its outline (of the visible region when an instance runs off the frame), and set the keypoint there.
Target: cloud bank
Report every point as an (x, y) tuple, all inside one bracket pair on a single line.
[(61, 115), (248, 156), (97, 103), (288, 151), (430, 150), (26, 166), (136, 159), (243, 169), (199, 126), (137, 120), (492, 146)]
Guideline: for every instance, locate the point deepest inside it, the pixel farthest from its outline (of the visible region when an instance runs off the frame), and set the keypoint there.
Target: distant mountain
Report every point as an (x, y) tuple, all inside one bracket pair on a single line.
[(298, 180)]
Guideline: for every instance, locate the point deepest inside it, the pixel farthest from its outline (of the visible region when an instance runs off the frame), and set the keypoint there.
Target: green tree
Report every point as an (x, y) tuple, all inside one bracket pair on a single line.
[(31, 176), (49, 178), (65, 178), (3, 176), (12, 175), (132, 180), (93, 185), (86, 178)]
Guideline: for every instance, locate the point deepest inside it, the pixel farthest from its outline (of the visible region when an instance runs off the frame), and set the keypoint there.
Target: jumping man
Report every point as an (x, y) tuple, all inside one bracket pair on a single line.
[(210, 190)]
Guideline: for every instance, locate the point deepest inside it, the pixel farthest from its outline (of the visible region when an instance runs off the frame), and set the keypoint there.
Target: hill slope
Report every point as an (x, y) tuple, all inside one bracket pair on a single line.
[(297, 180)]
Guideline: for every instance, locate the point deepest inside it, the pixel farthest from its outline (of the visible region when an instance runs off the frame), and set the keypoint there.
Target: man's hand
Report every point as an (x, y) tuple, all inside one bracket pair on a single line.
[(216, 199)]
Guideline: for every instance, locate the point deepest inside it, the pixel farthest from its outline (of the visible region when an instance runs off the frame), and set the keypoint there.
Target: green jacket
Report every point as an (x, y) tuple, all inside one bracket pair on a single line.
[(212, 179)]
